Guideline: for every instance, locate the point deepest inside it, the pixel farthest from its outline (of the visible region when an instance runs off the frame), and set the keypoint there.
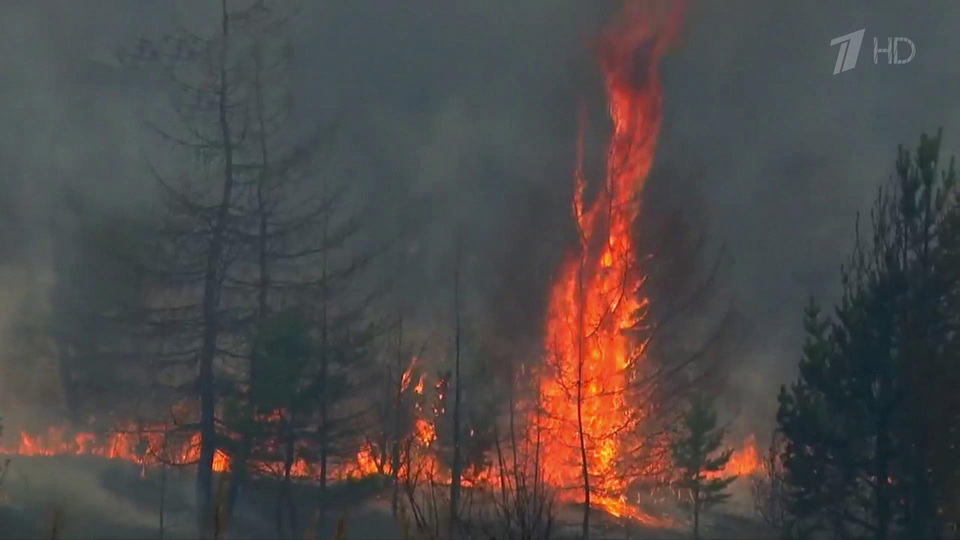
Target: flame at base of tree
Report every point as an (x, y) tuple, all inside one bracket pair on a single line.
[(596, 303), (620, 508)]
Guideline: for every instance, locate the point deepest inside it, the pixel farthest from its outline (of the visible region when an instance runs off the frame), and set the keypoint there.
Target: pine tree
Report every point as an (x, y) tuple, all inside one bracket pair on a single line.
[(866, 443), (821, 454), (696, 458)]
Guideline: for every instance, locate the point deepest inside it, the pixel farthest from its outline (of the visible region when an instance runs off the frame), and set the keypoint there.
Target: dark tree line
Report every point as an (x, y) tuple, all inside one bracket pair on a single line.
[(867, 442)]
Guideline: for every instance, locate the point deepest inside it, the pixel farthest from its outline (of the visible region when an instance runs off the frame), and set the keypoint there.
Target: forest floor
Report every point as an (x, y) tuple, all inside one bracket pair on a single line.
[(91, 497)]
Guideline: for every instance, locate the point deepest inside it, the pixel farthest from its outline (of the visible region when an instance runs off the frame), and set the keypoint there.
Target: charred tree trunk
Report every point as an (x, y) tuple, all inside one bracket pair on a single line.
[(455, 471), (238, 472), (584, 469), (263, 212), (163, 479), (238, 466), (518, 483), (395, 451), (696, 513), (324, 454), (324, 428), (882, 472), (285, 500), (211, 300)]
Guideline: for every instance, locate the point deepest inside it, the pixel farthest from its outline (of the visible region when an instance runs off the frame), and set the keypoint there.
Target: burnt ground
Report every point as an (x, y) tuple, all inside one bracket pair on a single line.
[(91, 497)]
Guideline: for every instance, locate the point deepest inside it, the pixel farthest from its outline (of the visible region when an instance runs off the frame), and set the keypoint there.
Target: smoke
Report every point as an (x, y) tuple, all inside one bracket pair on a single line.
[(790, 153), (466, 112)]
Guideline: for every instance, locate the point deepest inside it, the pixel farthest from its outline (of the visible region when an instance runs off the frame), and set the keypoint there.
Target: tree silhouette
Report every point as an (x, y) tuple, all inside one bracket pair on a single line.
[(867, 424)]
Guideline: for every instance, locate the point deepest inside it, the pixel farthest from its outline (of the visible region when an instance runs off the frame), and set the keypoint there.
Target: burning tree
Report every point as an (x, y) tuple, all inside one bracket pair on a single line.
[(597, 299), (612, 382), (254, 283), (400, 418)]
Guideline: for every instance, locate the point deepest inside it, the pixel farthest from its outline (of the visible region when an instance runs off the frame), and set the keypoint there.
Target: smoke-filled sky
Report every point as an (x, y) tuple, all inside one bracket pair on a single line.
[(466, 110)]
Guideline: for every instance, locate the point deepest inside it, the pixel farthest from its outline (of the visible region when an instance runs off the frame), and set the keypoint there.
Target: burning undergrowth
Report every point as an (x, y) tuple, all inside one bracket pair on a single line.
[(589, 422)]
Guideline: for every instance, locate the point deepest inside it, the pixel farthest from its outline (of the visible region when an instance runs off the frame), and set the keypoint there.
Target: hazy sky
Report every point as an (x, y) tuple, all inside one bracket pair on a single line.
[(467, 109)]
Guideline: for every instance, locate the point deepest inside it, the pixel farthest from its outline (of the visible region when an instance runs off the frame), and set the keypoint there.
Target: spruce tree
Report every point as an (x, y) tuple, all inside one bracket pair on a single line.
[(696, 458)]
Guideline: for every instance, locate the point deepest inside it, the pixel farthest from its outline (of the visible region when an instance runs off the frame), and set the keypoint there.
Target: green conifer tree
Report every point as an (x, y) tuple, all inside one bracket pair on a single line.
[(696, 459)]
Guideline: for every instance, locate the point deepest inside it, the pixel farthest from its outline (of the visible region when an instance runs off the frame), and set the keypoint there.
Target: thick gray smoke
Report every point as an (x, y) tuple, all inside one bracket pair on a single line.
[(466, 111)]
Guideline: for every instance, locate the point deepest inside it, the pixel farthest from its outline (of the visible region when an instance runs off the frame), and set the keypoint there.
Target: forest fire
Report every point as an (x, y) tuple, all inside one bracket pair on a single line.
[(597, 295), (143, 446), (745, 460), (146, 447), (593, 353)]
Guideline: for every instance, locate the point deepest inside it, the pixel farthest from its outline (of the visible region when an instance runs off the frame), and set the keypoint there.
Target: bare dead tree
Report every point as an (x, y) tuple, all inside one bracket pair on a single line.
[(207, 100), (405, 381), (277, 233), (206, 212), (283, 157), (395, 445), (164, 459), (525, 510), (769, 489)]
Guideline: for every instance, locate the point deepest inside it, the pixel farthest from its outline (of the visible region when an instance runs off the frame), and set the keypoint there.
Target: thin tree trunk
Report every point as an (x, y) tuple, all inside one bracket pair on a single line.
[(238, 466), (584, 470), (285, 499), (163, 479), (519, 484), (264, 177), (455, 469), (324, 429), (882, 497), (278, 511), (211, 301), (513, 429), (501, 471), (696, 515), (395, 457), (324, 451), (238, 470), (163, 494)]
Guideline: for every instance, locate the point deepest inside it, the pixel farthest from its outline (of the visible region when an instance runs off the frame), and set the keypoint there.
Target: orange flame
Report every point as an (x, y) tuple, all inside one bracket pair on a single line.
[(142, 445), (619, 507), (596, 296), (745, 460)]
